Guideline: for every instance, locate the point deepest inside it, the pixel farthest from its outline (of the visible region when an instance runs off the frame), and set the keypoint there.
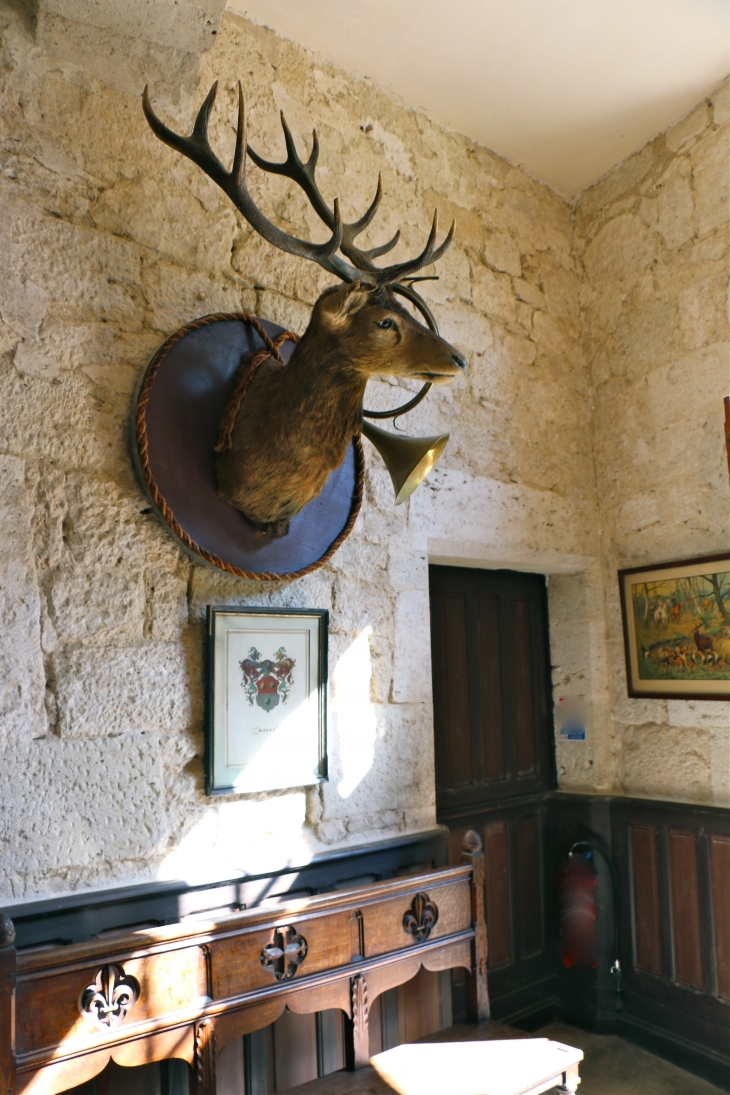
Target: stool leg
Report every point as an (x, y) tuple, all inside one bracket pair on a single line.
[(571, 1079)]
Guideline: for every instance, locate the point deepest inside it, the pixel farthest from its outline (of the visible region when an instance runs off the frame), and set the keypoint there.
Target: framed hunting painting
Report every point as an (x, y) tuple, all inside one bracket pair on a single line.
[(677, 629), (266, 699)]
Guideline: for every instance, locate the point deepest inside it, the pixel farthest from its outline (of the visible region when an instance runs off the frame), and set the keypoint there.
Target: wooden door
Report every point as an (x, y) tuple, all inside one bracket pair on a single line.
[(494, 760)]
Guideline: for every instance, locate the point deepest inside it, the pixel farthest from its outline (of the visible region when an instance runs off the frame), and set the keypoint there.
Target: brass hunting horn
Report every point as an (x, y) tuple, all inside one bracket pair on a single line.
[(408, 459)]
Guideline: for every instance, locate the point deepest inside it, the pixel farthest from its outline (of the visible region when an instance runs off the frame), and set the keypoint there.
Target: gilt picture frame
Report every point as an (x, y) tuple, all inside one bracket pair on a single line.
[(266, 699), (676, 622)]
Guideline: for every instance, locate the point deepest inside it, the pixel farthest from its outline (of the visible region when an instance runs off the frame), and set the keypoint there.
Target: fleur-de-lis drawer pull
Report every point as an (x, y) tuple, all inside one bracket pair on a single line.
[(284, 952), (108, 1000), (421, 917)]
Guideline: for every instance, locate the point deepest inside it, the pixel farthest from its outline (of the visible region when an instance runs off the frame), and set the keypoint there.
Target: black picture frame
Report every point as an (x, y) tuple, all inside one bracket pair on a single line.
[(230, 733)]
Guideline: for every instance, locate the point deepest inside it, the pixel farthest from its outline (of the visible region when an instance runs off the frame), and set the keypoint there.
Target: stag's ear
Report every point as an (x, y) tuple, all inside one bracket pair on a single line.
[(339, 306)]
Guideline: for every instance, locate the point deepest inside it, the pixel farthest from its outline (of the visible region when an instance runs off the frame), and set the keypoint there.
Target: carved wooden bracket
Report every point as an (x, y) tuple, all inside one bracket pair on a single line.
[(421, 917), (284, 952), (360, 1050), (205, 1056), (108, 1000)]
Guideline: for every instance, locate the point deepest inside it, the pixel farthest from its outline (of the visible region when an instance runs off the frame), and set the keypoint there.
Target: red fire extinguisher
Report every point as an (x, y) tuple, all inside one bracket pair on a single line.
[(578, 919)]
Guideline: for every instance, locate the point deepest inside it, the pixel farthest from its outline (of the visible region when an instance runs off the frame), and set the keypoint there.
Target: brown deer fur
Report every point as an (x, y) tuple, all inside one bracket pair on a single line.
[(297, 420)]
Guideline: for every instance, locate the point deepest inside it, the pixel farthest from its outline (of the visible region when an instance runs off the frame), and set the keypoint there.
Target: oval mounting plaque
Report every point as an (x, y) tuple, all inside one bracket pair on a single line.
[(176, 414)]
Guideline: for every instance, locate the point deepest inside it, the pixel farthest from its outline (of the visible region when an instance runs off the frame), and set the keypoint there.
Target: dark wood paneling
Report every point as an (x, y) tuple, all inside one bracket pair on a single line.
[(491, 716), (496, 864), (673, 1007), (522, 670), (501, 618), (720, 875), (490, 669), (685, 910), (529, 885), (455, 690), (647, 939)]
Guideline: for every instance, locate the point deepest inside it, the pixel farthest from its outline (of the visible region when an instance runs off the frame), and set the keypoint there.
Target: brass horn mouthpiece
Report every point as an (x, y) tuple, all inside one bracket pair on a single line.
[(408, 459)]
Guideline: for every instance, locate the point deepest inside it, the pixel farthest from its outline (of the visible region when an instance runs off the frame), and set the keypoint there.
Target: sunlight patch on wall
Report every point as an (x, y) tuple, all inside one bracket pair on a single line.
[(354, 714), (247, 837)]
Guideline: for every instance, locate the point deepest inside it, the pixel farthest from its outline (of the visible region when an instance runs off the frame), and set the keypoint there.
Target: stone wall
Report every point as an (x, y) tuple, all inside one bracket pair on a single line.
[(653, 241), (109, 242)]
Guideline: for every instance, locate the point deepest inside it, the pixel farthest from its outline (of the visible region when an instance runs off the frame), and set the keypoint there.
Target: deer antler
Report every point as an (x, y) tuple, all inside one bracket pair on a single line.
[(304, 175), (197, 148)]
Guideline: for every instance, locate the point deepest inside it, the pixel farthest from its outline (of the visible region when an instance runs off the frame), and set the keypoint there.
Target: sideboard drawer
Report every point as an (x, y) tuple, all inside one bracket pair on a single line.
[(292, 950), (431, 913)]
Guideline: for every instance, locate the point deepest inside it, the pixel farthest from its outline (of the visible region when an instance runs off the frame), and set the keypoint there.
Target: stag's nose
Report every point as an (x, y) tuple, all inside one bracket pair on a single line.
[(459, 361)]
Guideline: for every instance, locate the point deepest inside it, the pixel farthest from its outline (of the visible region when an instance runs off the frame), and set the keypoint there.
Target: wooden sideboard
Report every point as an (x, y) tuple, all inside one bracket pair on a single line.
[(186, 992)]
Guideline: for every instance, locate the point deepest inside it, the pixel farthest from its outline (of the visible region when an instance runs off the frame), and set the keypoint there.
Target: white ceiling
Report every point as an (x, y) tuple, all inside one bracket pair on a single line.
[(566, 88)]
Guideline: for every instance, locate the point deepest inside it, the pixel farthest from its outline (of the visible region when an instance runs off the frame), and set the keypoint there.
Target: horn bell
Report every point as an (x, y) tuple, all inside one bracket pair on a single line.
[(408, 459)]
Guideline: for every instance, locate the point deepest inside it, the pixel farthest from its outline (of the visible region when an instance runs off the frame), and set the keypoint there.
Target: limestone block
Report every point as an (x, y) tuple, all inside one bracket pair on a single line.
[(120, 690), (703, 312), (110, 526), (48, 514), (696, 713), (412, 648), (98, 606), (407, 569), (191, 29), (711, 180), (243, 836), (561, 286), (621, 251), (89, 273), (466, 329), (24, 307), (358, 605), (22, 689), (263, 265), (366, 560), (208, 586), (690, 126), (664, 763), (676, 212), (525, 290), (550, 335), (721, 104), (177, 295), (492, 294), (377, 769), (166, 607), (623, 178), (289, 314), (51, 818), (502, 253), (176, 226), (720, 765)]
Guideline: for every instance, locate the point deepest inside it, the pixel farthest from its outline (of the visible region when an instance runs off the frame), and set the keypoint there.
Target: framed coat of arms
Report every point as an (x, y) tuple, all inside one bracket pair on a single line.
[(266, 699)]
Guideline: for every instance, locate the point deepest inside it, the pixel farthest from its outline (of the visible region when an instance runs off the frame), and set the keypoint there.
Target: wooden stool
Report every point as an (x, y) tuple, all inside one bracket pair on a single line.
[(524, 1066)]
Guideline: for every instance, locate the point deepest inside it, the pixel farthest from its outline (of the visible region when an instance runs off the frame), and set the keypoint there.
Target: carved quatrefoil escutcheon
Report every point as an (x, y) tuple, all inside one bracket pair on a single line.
[(108, 1000), (284, 952), (421, 917)]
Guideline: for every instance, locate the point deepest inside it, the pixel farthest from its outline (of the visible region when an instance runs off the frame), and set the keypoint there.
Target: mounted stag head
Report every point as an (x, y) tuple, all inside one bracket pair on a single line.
[(297, 420)]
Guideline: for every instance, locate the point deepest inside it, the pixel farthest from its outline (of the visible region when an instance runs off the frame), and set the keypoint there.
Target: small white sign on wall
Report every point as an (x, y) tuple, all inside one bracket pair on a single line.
[(572, 716)]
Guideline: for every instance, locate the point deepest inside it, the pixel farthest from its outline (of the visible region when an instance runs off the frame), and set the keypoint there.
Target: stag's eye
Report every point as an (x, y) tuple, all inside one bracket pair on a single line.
[(386, 324)]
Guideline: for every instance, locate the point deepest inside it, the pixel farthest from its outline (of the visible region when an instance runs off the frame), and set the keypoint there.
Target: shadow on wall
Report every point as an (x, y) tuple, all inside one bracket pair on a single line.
[(257, 835)]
